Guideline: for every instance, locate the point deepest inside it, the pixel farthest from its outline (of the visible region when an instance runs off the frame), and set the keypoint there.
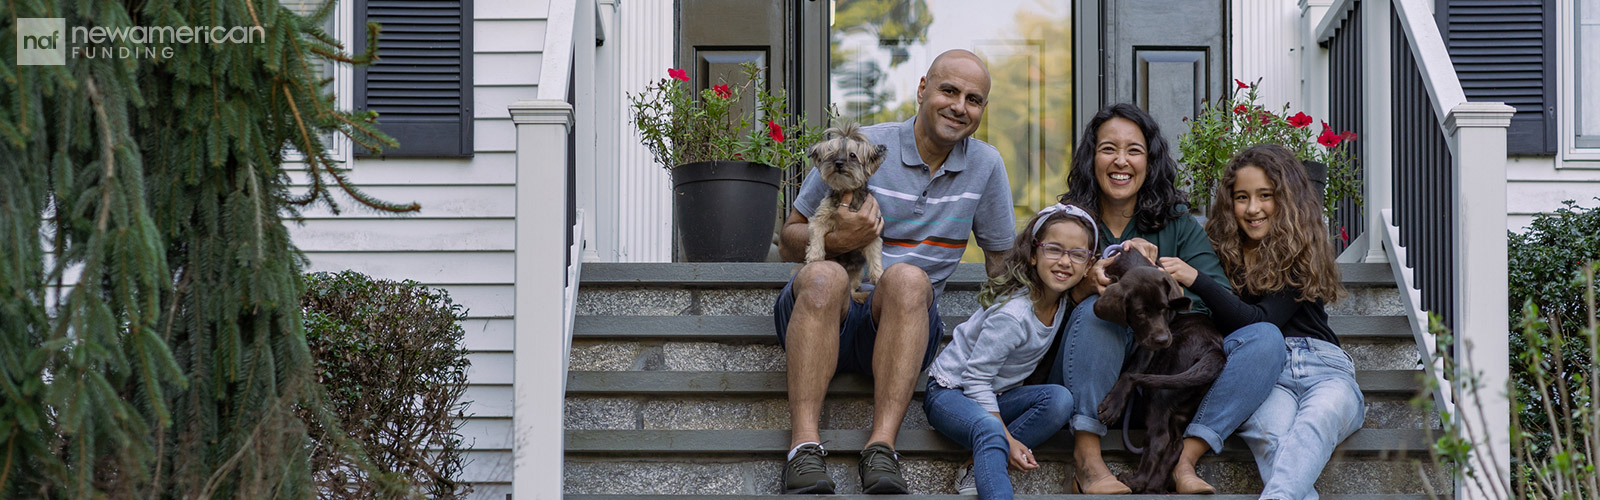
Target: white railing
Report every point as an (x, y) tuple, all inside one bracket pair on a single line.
[(1475, 133), (569, 296)]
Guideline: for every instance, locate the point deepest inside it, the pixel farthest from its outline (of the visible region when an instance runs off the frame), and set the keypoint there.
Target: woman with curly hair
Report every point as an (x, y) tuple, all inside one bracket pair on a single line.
[(976, 394), (1267, 228), (1123, 171)]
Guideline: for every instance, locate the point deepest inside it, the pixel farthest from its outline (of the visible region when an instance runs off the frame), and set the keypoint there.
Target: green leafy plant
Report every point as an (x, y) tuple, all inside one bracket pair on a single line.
[(1238, 122), (680, 126), (1564, 467), (390, 356), (1545, 270)]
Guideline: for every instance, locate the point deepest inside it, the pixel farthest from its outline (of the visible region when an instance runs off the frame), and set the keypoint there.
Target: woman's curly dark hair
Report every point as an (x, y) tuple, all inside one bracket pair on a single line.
[(1159, 197)]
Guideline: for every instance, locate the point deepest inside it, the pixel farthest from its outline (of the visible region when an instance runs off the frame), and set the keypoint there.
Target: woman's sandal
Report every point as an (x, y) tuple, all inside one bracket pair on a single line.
[(1193, 485), (1108, 485)]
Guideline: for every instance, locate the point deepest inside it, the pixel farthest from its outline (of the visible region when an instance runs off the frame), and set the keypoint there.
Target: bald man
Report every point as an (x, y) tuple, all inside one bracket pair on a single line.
[(936, 187)]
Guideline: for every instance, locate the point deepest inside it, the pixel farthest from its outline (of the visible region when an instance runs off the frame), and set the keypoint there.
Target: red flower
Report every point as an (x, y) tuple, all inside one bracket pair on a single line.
[(1344, 235), (1266, 118), (774, 131), (1347, 135), (722, 91), (1240, 109), (1329, 139), (1300, 120), (1325, 126), (1241, 84), (681, 75), (738, 156)]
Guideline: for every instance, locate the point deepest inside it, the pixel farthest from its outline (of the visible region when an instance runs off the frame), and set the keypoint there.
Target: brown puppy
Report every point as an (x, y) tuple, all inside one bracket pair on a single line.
[(845, 159), (1176, 357)]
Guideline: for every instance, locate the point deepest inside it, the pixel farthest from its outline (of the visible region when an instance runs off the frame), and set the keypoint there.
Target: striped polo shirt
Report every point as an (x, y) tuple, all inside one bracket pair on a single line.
[(927, 221)]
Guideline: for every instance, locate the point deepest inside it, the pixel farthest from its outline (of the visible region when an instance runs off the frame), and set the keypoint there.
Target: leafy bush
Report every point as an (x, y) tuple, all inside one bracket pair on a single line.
[(1545, 271), (390, 357)]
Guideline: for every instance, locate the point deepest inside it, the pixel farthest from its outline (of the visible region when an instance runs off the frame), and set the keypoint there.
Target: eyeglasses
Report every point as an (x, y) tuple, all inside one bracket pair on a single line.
[(1053, 251)]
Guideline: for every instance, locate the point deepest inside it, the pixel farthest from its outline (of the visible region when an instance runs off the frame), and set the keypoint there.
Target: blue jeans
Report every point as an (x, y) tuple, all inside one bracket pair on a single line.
[(1091, 358), (1032, 413), (1313, 407)]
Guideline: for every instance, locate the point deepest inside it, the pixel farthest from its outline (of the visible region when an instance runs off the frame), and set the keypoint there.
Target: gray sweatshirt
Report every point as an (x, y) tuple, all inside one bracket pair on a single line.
[(995, 349)]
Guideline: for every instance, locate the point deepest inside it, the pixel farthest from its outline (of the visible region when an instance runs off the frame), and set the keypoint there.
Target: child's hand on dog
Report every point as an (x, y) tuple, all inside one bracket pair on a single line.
[(1150, 250), (855, 229), (1180, 270)]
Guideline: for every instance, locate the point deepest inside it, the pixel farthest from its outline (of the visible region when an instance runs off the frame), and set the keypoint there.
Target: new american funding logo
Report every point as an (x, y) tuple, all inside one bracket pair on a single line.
[(46, 41)]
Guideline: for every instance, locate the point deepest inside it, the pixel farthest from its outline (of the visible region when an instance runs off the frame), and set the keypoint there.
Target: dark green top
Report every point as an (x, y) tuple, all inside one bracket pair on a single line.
[(1183, 238)]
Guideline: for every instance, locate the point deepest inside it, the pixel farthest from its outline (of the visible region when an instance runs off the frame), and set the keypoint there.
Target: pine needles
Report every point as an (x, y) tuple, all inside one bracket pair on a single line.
[(151, 344)]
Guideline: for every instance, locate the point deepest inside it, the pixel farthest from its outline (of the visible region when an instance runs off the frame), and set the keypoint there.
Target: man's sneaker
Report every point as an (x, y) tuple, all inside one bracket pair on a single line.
[(806, 472), (966, 481), (880, 470)]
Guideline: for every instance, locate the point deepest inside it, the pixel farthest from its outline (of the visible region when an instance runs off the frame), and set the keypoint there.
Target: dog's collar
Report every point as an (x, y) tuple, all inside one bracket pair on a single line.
[(1111, 250)]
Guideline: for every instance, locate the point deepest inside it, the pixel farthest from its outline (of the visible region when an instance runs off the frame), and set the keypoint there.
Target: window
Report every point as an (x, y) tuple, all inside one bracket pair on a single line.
[(1586, 74), (421, 86), (338, 24)]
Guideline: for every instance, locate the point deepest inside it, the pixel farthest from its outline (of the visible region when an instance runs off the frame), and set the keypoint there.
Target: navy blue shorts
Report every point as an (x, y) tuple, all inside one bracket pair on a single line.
[(858, 334)]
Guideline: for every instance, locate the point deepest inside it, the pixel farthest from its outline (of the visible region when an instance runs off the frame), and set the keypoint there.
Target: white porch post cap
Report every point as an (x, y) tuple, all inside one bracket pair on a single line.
[(1479, 115), (541, 112)]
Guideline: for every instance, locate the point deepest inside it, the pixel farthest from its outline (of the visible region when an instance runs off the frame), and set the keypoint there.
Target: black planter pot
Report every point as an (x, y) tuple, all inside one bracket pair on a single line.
[(1318, 173), (725, 210)]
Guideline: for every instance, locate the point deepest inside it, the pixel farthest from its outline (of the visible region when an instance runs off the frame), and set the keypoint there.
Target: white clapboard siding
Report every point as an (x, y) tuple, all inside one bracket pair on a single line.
[(488, 334), (443, 201), (463, 239), (482, 168), (399, 234), (1265, 36), (1535, 185)]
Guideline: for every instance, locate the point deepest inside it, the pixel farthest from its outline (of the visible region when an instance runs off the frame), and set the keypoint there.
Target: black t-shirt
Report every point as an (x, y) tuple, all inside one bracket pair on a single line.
[(1295, 318)]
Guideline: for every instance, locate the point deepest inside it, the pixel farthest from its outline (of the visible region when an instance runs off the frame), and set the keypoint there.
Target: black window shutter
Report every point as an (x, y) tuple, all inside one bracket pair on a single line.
[(421, 84), (1504, 50)]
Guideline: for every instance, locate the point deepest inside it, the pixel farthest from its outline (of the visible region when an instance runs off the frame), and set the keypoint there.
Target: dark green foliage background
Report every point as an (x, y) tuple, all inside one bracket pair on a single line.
[(390, 355), (1545, 268)]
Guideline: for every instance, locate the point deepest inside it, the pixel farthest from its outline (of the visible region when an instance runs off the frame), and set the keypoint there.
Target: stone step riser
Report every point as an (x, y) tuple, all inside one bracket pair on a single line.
[(762, 475), (634, 355), (659, 301), (772, 413)]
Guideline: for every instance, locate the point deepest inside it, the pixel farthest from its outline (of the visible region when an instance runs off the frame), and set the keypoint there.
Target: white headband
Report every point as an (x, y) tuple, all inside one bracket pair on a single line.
[(1072, 210)]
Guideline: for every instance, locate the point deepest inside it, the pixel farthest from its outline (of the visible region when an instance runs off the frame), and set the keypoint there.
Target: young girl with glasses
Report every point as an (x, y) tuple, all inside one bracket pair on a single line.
[(1267, 228), (975, 391)]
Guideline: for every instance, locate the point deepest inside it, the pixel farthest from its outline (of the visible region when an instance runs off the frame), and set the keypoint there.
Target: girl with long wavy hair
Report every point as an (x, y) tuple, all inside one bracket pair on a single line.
[(1267, 227), (1124, 172), (976, 394)]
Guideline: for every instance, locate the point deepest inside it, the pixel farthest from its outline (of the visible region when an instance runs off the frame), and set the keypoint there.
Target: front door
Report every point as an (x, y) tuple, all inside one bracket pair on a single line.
[(1168, 57)]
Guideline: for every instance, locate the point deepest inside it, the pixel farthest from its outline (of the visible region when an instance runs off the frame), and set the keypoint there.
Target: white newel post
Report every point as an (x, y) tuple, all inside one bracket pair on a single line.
[(1378, 109), (1478, 135), (542, 129)]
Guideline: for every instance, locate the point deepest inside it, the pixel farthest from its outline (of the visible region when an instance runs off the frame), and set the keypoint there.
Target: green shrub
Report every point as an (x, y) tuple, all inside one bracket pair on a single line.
[(1545, 271), (391, 359)]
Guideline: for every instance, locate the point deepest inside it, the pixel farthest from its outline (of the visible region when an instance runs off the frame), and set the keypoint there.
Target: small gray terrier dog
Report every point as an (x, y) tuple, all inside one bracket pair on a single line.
[(845, 159)]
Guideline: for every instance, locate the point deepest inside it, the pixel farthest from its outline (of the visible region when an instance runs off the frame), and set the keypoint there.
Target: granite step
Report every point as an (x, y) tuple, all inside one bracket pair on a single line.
[(1365, 443), (1398, 383), (679, 412), (721, 274), (759, 476), (759, 328), (1357, 496), (673, 355)]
